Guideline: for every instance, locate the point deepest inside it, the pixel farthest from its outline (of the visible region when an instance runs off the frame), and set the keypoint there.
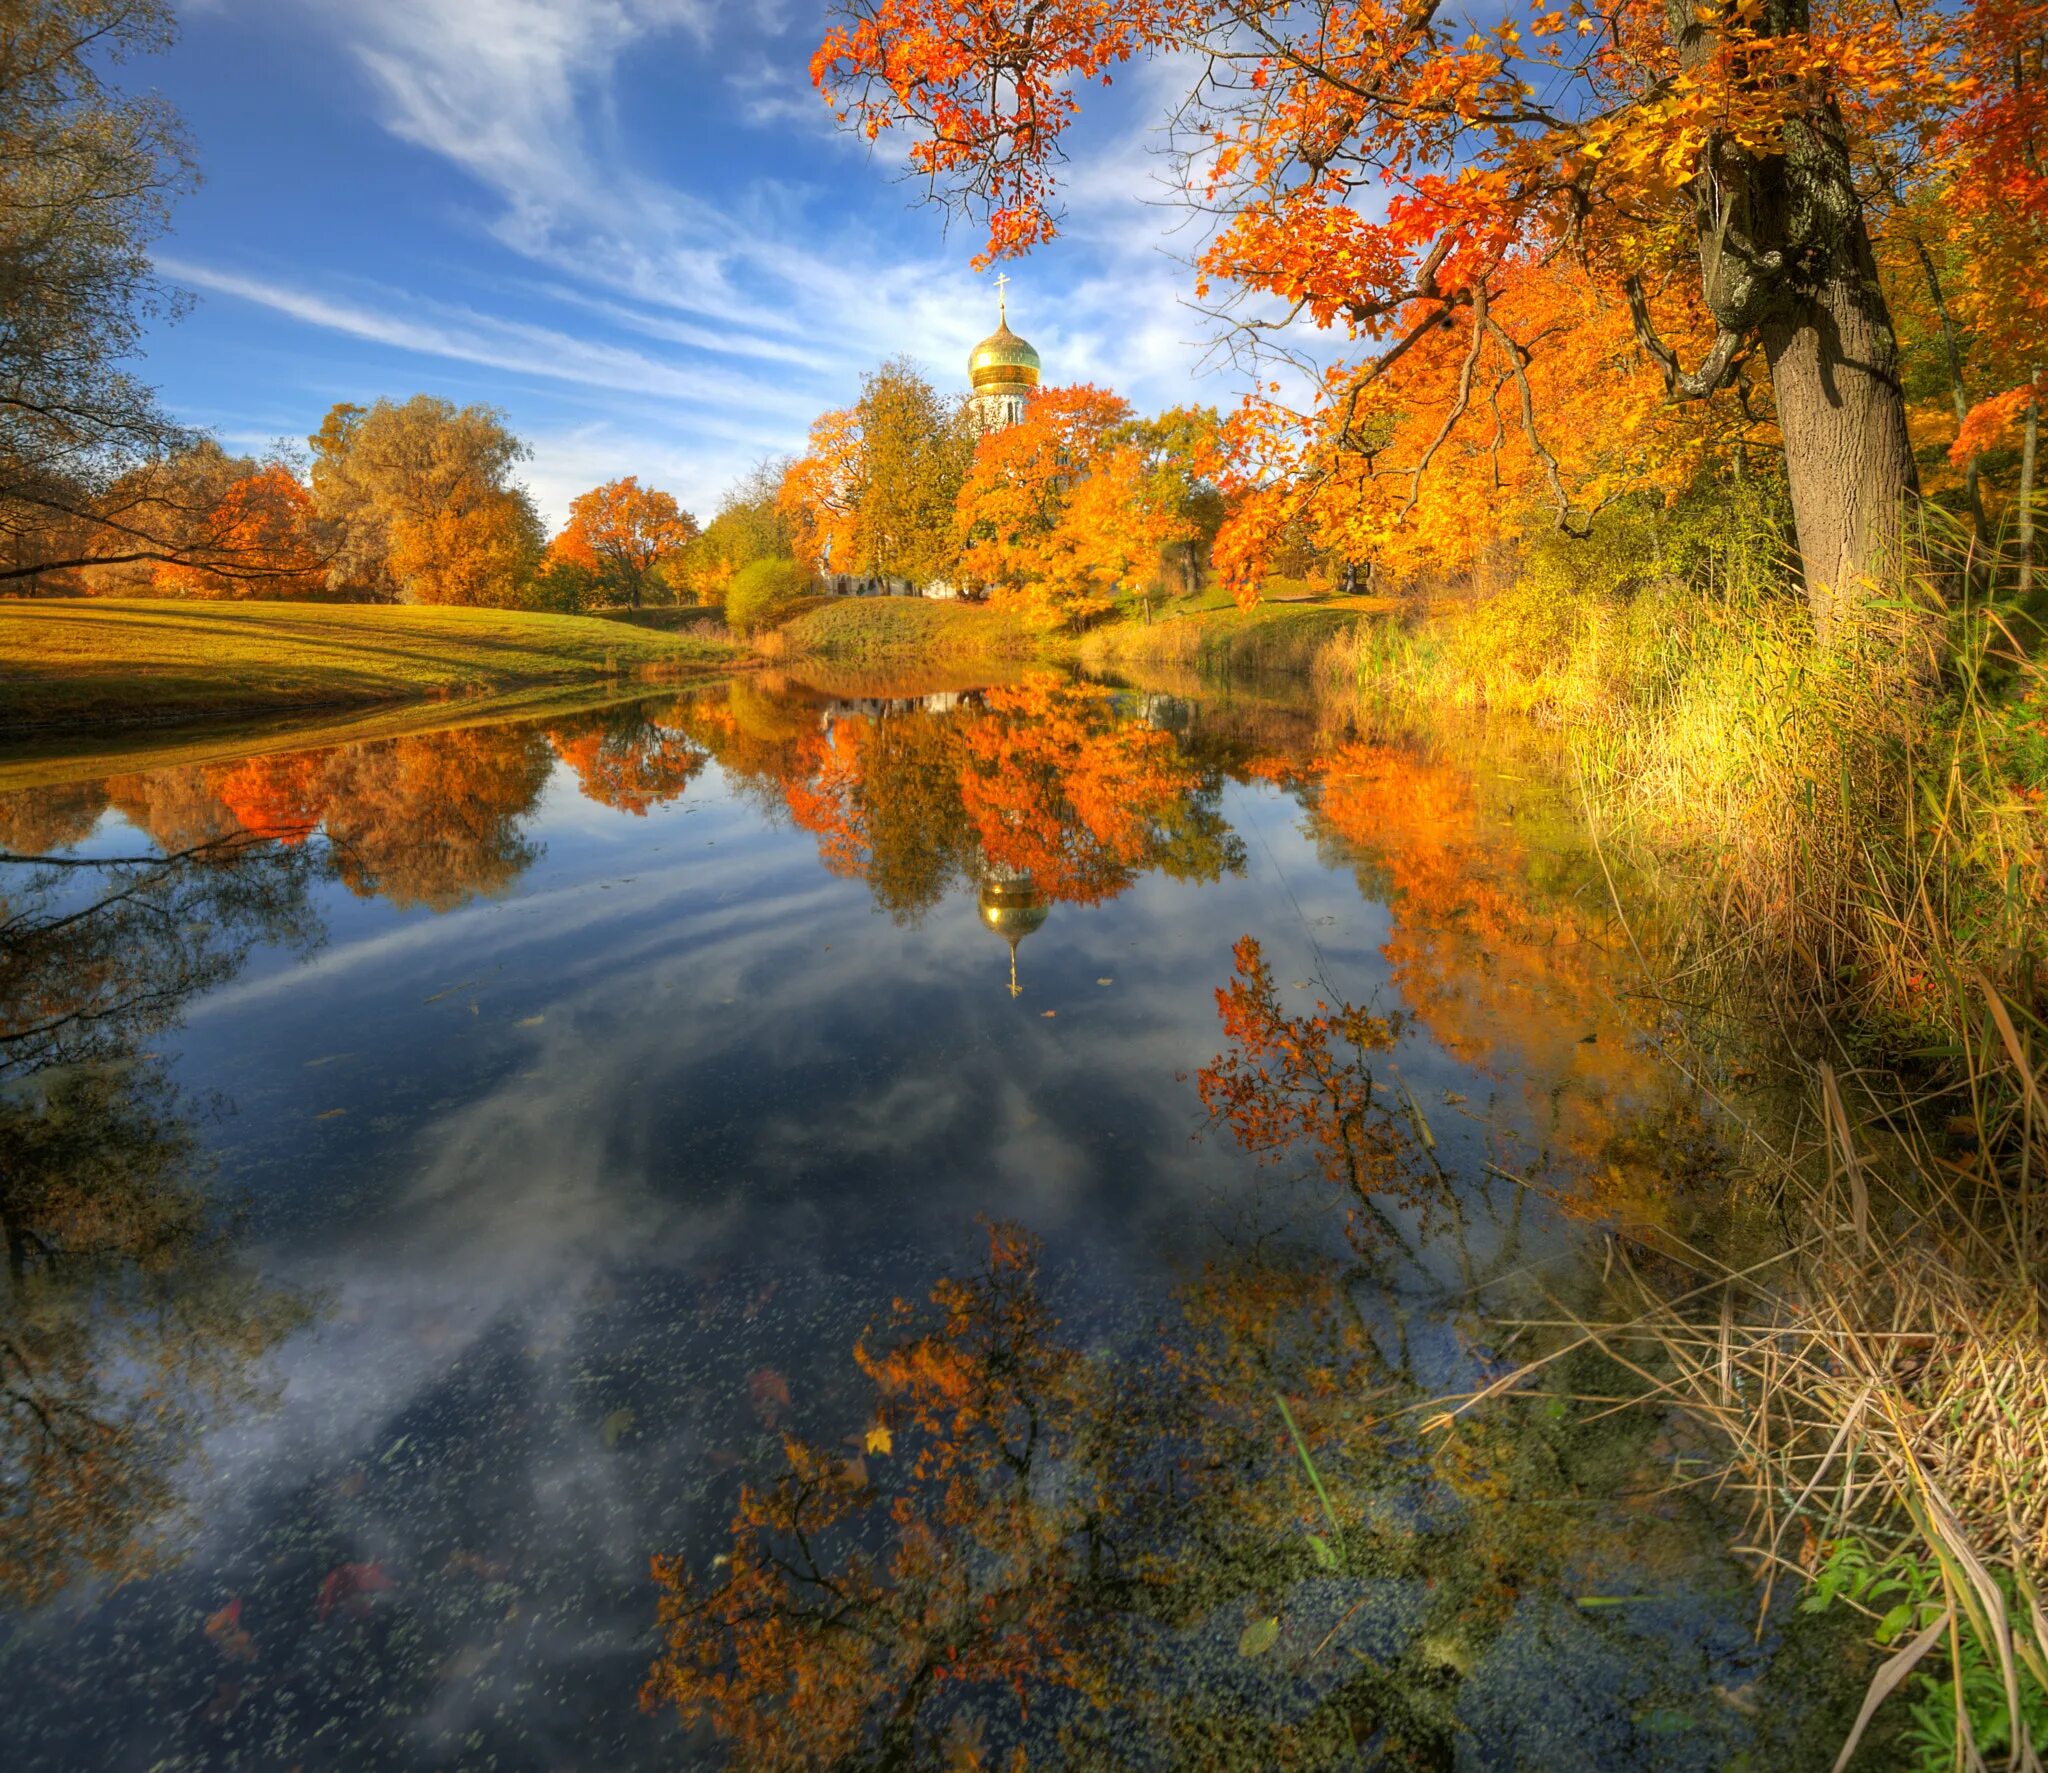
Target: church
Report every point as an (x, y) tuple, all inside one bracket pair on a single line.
[(1002, 371)]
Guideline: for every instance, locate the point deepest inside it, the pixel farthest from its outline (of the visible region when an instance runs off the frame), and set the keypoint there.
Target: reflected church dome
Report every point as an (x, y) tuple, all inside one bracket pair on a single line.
[(1011, 905)]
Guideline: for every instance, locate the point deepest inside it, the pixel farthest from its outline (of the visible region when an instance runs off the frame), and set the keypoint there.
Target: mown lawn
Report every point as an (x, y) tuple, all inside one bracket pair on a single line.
[(106, 663)]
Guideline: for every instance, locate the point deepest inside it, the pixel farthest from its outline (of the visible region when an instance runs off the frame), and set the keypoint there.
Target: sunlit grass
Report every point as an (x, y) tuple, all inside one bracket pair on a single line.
[(106, 663), (913, 628)]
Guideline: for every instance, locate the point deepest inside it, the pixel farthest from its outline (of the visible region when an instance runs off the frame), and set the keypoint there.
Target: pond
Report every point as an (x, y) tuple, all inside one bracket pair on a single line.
[(803, 1226)]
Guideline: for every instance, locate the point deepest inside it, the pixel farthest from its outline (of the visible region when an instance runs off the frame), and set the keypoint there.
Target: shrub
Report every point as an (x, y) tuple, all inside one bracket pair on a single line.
[(560, 588), (763, 593)]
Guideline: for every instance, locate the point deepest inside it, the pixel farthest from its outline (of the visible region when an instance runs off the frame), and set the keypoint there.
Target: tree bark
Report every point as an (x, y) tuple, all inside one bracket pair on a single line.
[(1786, 261), (2029, 450)]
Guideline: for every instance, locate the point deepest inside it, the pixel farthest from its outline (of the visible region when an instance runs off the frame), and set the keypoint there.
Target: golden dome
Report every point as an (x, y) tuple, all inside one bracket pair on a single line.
[(1001, 358), (1013, 909), (1012, 906)]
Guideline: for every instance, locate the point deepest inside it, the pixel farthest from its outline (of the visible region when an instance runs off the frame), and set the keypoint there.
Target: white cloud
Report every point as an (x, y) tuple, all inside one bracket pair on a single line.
[(774, 292)]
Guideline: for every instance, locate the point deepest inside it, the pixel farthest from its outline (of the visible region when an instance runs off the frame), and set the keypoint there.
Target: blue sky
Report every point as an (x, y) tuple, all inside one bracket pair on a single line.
[(629, 223)]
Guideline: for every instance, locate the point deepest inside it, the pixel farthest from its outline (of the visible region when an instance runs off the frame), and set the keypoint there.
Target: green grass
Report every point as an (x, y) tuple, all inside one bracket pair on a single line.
[(870, 629), (100, 664)]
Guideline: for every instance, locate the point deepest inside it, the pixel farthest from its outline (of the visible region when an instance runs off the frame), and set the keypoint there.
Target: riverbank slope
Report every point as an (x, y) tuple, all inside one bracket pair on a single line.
[(105, 664)]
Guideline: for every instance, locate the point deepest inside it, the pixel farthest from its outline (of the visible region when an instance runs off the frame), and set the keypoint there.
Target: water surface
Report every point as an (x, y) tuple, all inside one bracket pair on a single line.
[(936, 1222)]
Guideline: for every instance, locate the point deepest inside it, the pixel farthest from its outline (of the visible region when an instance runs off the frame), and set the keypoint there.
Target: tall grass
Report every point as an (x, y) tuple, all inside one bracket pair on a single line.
[(1855, 844), (1868, 823)]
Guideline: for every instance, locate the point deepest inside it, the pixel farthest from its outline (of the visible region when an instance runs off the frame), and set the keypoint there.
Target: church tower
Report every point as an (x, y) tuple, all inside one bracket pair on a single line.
[(1003, 370)]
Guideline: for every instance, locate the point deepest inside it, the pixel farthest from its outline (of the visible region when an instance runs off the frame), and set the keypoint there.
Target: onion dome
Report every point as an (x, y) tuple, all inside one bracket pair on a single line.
[(1003, 360), (1012, 906)]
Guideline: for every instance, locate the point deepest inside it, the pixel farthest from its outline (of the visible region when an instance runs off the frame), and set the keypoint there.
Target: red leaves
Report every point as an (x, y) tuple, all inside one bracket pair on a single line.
[(225, 1632), (353, 1588), (768, 1393)]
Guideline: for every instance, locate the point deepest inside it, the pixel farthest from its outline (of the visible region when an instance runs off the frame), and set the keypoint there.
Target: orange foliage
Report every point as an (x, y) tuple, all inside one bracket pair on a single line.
[(820, 494), (621, 532), (629, 762), (255, 542), (1056, 513), (1493, 210)]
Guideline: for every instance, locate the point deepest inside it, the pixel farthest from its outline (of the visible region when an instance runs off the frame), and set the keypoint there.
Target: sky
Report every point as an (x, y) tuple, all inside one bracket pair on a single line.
[(631, 224)]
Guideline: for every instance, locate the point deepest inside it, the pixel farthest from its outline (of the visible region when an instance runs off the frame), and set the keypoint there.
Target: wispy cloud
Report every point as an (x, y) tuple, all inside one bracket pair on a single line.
[(722, 308)]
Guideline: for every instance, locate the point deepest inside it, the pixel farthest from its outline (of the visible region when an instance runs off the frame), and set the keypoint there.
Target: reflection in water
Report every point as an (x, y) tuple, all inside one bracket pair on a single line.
[(601, 1129), (1227, 1545), (1011, 905), (127, 1322)]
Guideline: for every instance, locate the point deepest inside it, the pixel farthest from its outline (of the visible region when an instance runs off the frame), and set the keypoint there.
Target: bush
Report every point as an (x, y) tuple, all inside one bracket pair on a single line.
[(560, 588), (763, 593)]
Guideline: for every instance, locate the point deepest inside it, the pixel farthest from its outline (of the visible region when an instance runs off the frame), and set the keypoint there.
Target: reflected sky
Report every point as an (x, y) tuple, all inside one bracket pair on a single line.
[(616, 1076)]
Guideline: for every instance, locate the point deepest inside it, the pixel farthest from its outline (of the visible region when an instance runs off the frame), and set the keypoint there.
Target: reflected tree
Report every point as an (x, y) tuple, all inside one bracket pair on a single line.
[(628, 759), (127, 1319)]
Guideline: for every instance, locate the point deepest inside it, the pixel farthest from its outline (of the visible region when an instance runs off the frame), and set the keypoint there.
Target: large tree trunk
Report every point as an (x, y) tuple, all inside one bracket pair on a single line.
[(1785, 260), (1848, 462)]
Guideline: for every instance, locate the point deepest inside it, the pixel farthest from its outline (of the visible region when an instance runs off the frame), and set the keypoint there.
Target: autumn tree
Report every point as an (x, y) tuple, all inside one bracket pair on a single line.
[(417, 503), (629, 759), (1026, 532), (1179, 450), (622, 533), (750, 524), (257, 542), (915, 448), (1380, 169), (87, 178), (820, 494)]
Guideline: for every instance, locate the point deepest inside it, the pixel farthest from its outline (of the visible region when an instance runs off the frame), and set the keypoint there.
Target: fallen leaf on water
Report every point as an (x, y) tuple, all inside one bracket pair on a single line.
[(529, 1021), (1259, 1636), (1105, 981), (879, 1439), (330, 1114), (769, 1393), (856, 1472), (1050, 1013), (224, 1628), (352, 1587), (615, 1427)]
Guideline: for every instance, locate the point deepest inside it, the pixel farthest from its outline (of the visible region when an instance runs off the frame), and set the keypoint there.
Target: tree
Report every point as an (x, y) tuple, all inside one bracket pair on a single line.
[(418, 504), (763, 593), (621, 533), (1377, 169), (1056, 512), (87, 177), (257, 542), (820, 494), (915, 448), (750, 525), (1181, 461)]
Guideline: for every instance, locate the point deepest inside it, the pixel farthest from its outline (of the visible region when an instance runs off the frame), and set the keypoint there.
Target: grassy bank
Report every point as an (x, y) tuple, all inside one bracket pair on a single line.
[(1849, 853), (103, 664), (907, 630), (1225, 642)]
